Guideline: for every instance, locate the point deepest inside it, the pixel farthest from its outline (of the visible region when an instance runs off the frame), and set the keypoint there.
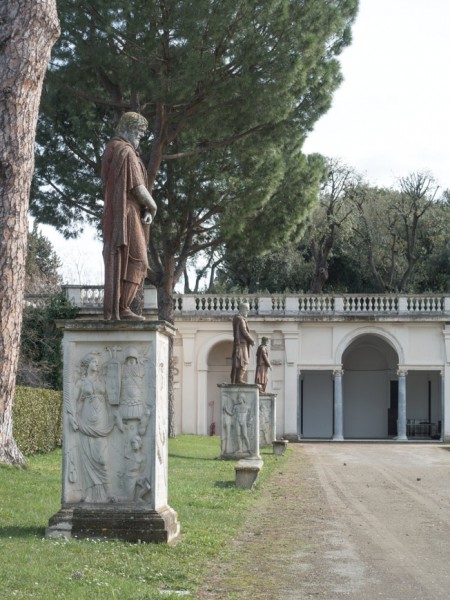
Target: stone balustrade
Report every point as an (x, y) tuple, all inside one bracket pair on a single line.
[(302, 305), (284, 305), (89, 298)]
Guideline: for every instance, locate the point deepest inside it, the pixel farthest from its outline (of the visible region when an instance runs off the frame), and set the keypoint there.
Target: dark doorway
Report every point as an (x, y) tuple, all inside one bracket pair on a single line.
[(393, 409)]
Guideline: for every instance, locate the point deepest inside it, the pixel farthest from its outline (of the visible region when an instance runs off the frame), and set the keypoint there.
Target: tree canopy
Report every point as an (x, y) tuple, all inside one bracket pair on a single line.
[(42, 264), (358, 238), (231, 90)]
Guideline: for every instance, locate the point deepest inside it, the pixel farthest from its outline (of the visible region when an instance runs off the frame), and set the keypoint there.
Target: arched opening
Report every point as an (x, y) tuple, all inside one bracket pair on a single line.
[(369, 388), (219, 369)]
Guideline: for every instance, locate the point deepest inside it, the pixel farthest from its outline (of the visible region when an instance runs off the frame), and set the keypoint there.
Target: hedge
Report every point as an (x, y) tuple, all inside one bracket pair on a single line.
[(37, 424)]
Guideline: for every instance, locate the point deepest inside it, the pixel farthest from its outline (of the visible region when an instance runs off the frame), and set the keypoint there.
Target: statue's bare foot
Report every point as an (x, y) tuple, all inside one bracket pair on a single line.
[(127, 315)]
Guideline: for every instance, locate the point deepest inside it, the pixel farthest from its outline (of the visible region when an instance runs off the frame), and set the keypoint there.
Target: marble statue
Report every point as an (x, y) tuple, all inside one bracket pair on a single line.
[(262, 365), (128, 211), (242, 341)]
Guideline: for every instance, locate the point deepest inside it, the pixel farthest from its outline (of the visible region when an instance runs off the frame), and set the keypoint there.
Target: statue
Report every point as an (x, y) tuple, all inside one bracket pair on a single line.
[(242, 341), (262, 365), (128, 211)]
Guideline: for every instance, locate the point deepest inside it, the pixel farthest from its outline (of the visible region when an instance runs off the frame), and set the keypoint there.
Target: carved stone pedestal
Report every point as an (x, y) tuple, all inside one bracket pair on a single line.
[(115, 433), (111, 522), (267, 419), (240, 421)]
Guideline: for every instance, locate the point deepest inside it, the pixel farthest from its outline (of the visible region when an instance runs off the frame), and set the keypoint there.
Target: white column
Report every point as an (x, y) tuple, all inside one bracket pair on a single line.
[(443, 405), (291, 345), (189, 385), (446, 384), (299, 412), (202, 404), (401, 423), (338, 405)]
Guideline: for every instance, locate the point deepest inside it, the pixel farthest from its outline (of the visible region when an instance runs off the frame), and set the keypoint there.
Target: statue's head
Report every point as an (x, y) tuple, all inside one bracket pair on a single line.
[(132, 127), (264, 341), (244, 307), (89, 362), (131, 355)]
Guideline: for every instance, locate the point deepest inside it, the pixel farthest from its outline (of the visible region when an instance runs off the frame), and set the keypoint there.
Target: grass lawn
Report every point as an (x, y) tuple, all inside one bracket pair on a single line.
[(201, 489)]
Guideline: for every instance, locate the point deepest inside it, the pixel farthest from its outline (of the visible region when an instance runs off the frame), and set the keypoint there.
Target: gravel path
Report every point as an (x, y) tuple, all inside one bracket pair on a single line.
[(355, 521)]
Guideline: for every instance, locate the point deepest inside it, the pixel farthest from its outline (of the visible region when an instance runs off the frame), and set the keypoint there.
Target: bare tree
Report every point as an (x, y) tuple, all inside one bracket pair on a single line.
[(418, 193), (389, 227), (28, 30), (332, 211)]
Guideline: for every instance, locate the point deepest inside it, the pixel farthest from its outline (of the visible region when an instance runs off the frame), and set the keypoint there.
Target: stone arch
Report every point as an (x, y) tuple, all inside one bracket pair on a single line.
[(351, 337), (202, 360), (370, 357), (209, 376)]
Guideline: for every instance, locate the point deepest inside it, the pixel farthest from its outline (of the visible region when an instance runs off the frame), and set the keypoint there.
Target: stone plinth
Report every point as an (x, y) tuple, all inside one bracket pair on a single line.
[(267, 419), (240, 421), (280, 447), (247, 471), (115, 433)]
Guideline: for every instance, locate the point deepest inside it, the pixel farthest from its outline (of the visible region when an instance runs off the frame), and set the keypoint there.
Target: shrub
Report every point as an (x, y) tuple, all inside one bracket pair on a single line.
[(40, 362), (37, 419)]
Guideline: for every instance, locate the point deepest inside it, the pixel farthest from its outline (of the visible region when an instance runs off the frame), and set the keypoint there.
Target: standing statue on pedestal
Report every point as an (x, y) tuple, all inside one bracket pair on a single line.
[(262, 365), (242, 341), (129, 209)]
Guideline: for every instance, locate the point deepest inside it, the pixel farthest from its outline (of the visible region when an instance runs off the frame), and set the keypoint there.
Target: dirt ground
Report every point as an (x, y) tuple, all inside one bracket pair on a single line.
[(359, 521)]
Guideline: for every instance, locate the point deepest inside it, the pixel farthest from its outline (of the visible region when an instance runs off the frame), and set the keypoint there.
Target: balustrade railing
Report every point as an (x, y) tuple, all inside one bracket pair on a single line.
[(289, 305), (310, 304)]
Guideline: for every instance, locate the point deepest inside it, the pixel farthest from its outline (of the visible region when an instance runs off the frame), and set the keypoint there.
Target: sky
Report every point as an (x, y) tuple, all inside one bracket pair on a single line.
[(389, 117)]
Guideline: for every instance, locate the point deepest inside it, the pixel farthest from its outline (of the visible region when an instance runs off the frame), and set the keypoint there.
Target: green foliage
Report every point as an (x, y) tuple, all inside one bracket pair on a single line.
[(40, 361), (37, 419), (275, 272), (201, 490), (42, 264), (231, 91), (366, 239)]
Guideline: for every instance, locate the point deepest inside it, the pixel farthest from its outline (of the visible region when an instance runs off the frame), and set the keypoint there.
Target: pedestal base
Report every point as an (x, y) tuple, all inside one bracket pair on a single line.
[(109, 522)]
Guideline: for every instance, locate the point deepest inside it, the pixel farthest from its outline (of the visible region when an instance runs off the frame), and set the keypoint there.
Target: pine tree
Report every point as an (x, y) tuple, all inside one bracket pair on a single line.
[(231, 90), (28, 30)]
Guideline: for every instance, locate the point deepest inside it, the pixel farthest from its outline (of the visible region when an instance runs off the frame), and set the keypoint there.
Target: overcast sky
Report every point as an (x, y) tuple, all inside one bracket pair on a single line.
[(389, 117)]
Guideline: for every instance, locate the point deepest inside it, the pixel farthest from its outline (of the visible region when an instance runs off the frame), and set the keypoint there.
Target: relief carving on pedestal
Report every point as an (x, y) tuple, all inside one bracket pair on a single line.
[(108, 414)]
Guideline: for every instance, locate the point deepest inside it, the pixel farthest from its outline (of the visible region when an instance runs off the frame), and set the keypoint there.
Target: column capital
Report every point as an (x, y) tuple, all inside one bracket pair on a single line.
[(338, 372), (402, 372)]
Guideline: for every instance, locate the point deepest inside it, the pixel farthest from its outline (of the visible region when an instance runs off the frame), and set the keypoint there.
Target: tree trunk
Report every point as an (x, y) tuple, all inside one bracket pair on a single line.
[(28, 30)]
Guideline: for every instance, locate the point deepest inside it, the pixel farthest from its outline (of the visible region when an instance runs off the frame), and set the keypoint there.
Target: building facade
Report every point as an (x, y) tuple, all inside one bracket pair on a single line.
[(343, 367)]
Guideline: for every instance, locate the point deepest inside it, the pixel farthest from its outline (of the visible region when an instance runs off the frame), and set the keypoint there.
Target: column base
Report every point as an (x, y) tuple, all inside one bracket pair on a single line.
[(128, 524), (338, 438)]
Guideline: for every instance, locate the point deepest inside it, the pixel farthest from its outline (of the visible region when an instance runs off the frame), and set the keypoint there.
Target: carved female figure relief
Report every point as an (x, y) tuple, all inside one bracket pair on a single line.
[(92, 418)]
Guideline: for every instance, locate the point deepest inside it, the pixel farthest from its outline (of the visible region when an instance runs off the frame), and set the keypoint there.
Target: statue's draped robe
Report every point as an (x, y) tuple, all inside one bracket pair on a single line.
[(125, 237), (241, 342), (262, 366)]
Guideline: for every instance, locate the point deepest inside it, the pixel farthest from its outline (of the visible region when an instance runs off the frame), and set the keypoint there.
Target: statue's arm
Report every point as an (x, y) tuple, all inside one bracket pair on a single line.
[(245, 334), (144, 198)]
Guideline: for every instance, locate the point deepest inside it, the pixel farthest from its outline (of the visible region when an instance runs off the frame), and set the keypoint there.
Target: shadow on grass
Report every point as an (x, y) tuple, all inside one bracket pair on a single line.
[(22, 532), (171, 455), (225, 484)]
